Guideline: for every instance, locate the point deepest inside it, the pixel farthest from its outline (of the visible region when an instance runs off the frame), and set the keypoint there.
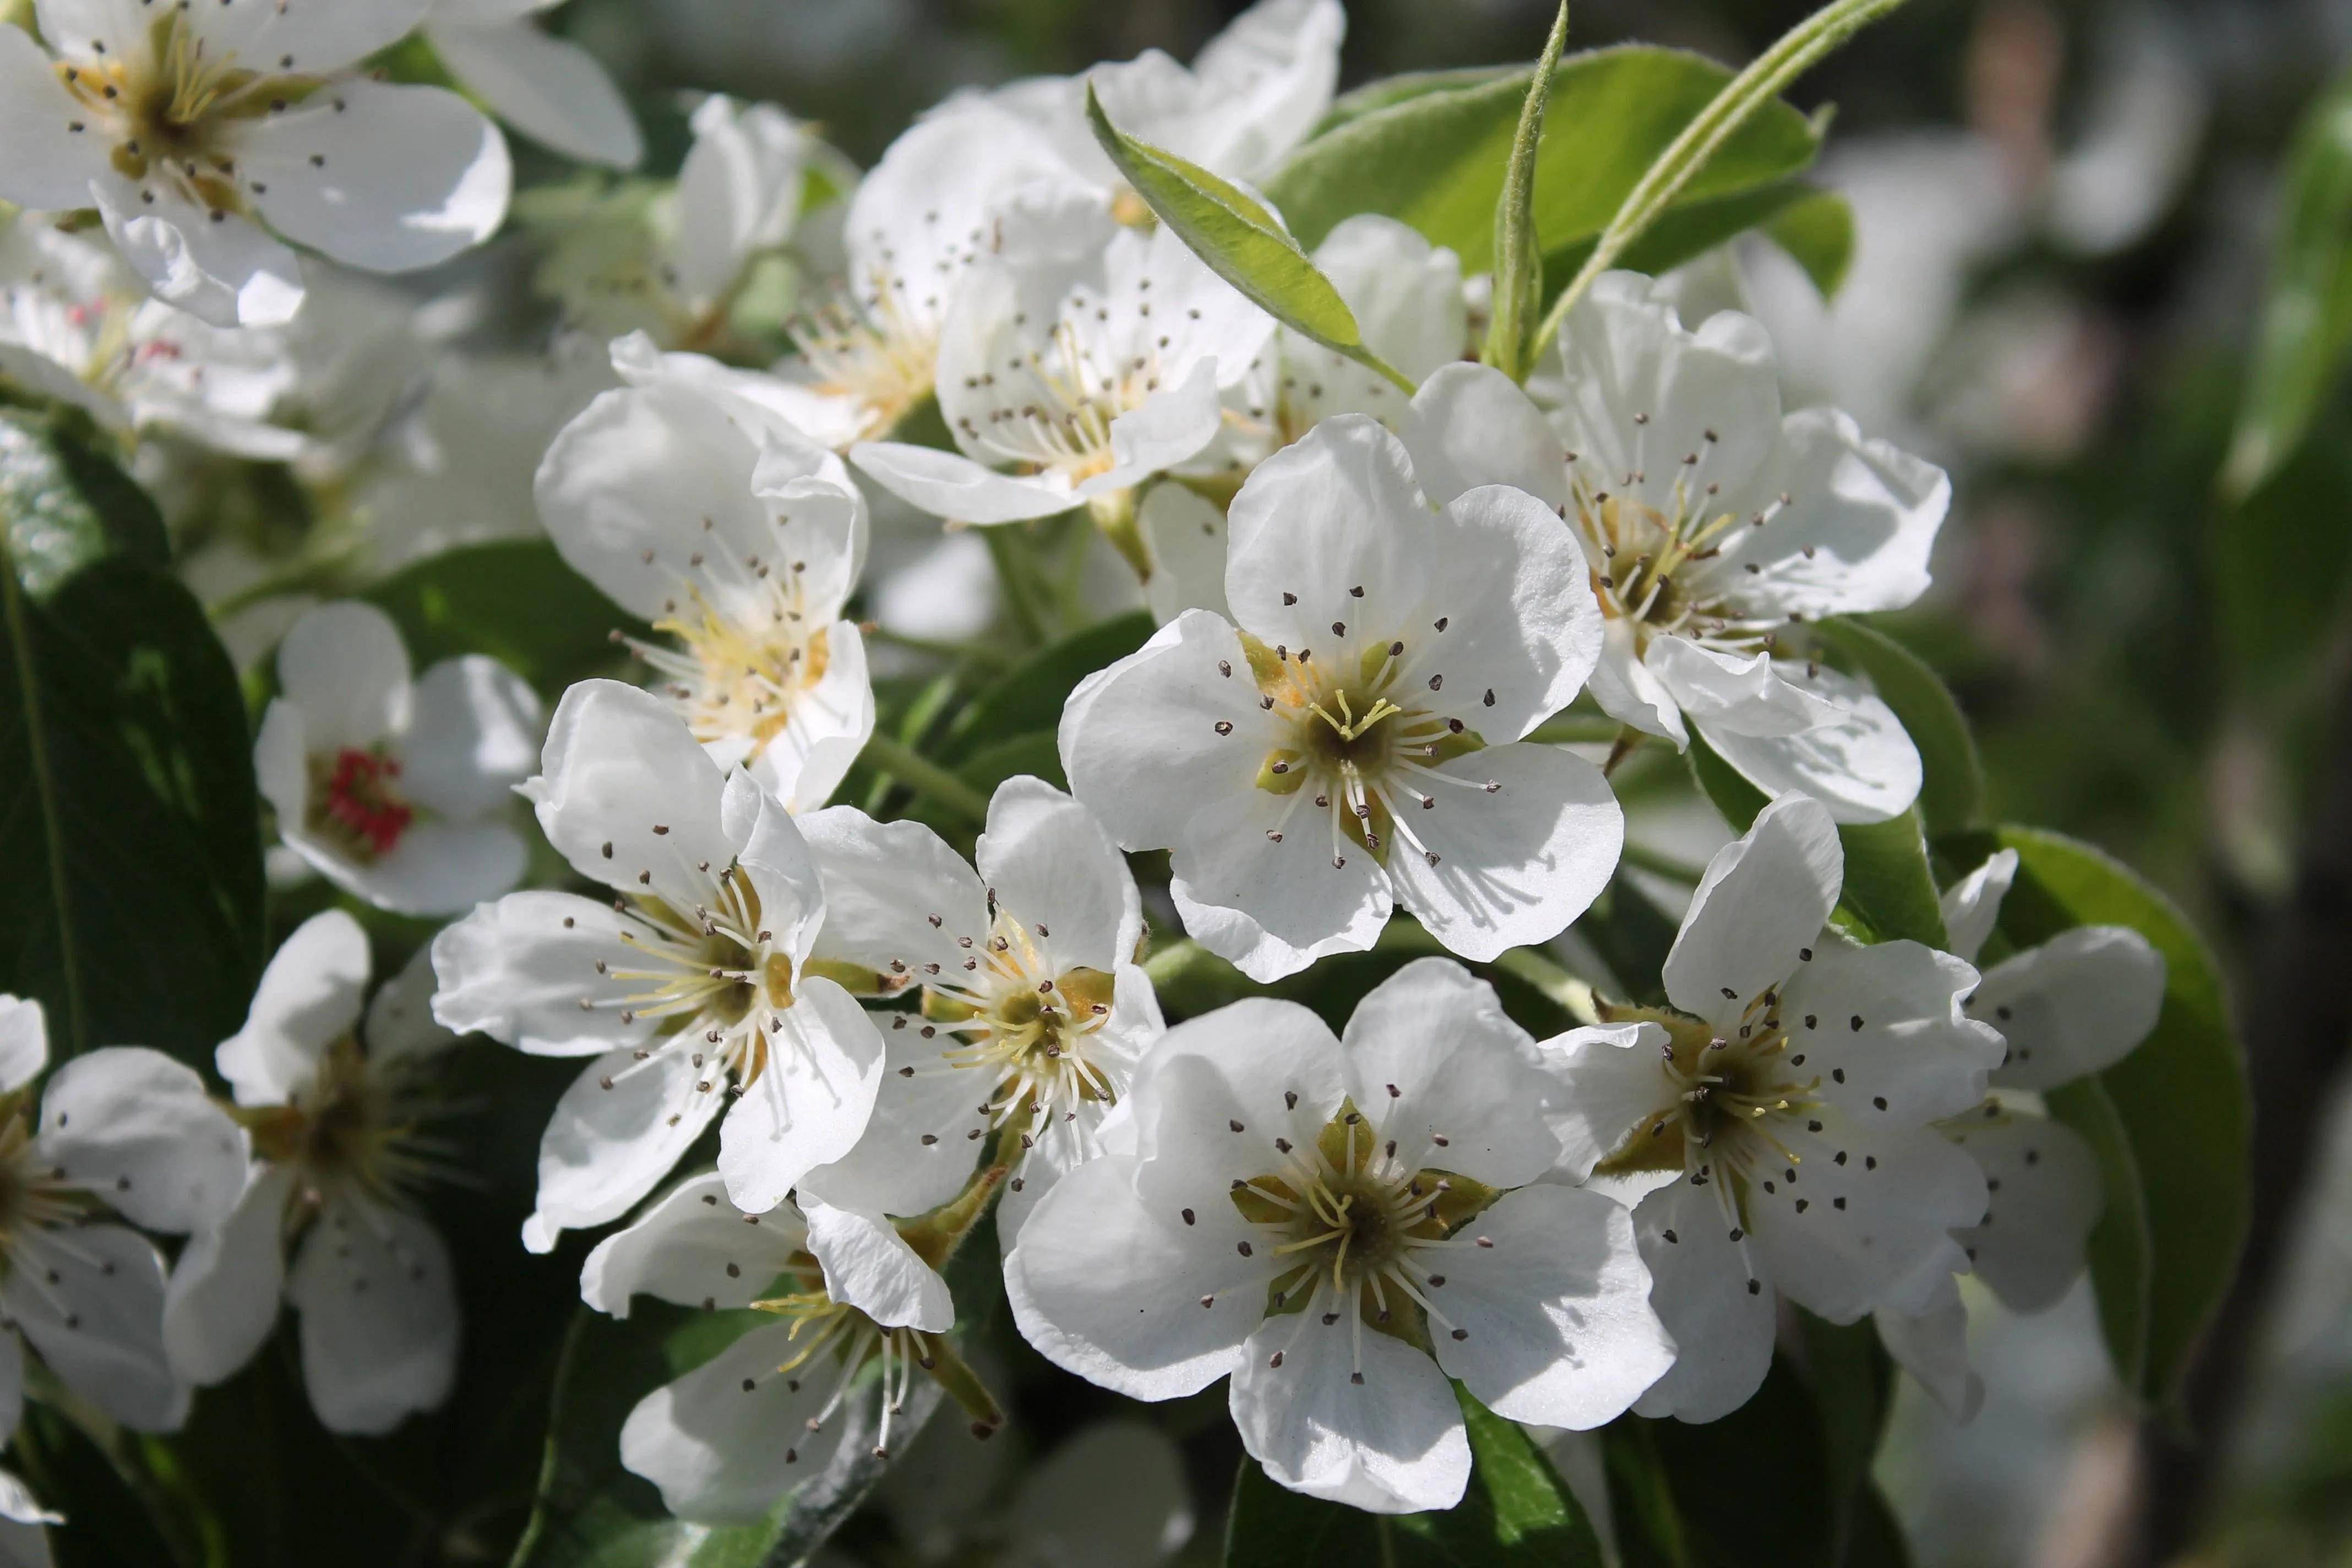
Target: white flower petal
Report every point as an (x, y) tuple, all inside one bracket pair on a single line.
[(1727, 693), (309, 38), (867, 1265), (1707, 1293), (884, 882), (1520, 630), (518, 971), (225, 1286), (1472, 425), (2079, 1002), (1933, 1347), (606, 1148), (1628, 691), (1874, 1230), (23, 1042), (776, 861), (1169, 426), (828, 726), (1856, 533), (1114, 1494), (1335, 512), (1971, 906), (1557, 1311), (1861, 764), (1882, 1026), (1610, 1079), (1514, 864), (139, 1128), (551, 90), (384, 178), (379, 1315), (619, 763), (810, 1105), (1390, 1440), (2043, 1195), (1272, 905), (228, 273), (400, 1024), (44, 163), (739, 192), (950, 485), (1266, 81), (1430, 1052), (475, 736), (1138, 740), (1186, 535), (1765, 898), (1406, 297), (721, 1452), (437, 868), (1052, 867), (695, 1248), (91, 1299), (924, 1136), (344, 667)]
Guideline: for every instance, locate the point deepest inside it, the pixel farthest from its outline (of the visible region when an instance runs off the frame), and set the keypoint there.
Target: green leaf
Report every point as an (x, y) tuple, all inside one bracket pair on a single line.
[(1852, 1379), (2307, 315), (1889, 893), (1817, 233), (1952, 792), (1749, 1489), (2282, 561), (1518, 266), (1241, 242), (2180, 1098), (1434, 156), (590, 1512), (1516, 1514), (515, 601), (1030, 695), (130, 885), (2122, 1265)]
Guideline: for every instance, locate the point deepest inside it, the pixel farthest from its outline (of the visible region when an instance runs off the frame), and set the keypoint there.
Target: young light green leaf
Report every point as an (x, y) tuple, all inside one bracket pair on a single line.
[(2306, 321), (1240, 240), (2180, 1097), (1432, 151), (1518, 256), (1817, 232), (1951, 793)]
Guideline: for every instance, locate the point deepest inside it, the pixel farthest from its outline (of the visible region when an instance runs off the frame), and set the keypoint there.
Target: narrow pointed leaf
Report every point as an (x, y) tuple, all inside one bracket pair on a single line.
[(1518, 256)]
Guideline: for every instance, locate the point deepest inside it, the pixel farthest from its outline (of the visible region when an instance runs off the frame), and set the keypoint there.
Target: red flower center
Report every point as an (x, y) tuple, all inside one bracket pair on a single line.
[(360, 799)]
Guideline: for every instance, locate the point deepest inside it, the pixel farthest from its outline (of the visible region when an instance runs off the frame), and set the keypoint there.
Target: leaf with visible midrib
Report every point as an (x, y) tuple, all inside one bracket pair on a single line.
[(130, 883)]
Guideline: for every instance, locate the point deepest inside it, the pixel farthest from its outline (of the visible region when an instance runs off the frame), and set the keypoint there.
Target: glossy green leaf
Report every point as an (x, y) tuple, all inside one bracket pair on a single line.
[(515, 601), (1518, 292), (1243, 243), (1516, 1514), (2306, 321), (2180, 1098), (1952, 790), (130, 886), (1436, 158), (1890, 893), (1817, 232), (1029, 696), (590, 1512), (2120, 1250)]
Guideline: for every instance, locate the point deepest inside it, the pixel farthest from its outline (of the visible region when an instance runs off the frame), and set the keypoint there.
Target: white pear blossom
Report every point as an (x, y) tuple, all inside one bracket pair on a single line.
[(190, 130), (689, 990), (549, 88), (1320, 1218), (1716, 526), (1355, 741), (1783, 1116), (2069, 1007), (726, 1441), (740, 541), (396, 791), (1033, 1014), (23, 1525), (118, 1131), (1247, 101), (328, 1222), (1084, 375), (77, 324)]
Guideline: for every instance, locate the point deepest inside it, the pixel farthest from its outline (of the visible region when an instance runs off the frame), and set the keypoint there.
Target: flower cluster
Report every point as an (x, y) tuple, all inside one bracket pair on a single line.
[(816, 1045)]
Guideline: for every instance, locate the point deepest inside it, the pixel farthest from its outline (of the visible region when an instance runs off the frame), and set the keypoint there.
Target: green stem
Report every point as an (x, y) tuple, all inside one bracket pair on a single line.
[(926, 777), (978, 653), (1013, 572), (1648, 860), (1797, 51), (1566, 728)]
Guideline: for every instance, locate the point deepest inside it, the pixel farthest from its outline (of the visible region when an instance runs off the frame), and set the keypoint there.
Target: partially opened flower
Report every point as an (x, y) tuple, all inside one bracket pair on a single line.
[(726, 1441), (193, 129), (1083, 374), (336, 1112), (689, 990), (395, 792), (1716, 526), (1355, 741), (75, 323), (121, 1131), (1782, 1116), (549, 88), (1342, 1224), (740, 541), (1033, 1015)]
